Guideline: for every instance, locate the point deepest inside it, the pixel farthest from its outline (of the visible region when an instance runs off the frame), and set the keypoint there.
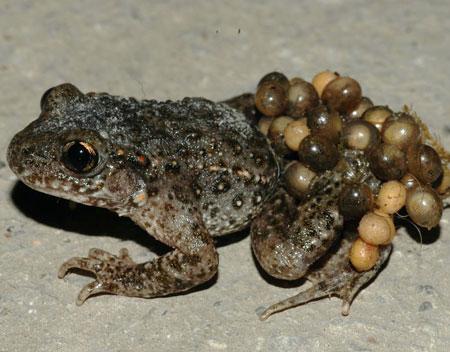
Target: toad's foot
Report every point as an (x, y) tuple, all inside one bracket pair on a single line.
[(171, 273), (113, 273), (333, 275)]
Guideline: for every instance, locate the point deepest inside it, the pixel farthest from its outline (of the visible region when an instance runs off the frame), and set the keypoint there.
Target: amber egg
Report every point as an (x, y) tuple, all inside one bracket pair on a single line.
[(355, 200), (401, 130), (387, 162), (264, 123), (391, 197), (318, 153), (376, 115), (321, 80), (443, 185), (342, 94), (376, 228), (364, 104), (424, 163), (295, 132), (363, 256), (276, 134), (278, 126), (302, 97), (359, 134)]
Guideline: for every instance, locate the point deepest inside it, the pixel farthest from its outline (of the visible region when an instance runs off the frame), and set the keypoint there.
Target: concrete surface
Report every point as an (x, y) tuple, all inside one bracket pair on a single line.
[(398, 50)]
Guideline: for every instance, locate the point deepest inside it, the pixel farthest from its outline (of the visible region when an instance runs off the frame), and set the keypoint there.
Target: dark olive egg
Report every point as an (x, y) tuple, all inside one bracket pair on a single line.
[(271, 99), (275, 77), (343, 94), (424, 206), (298, 179), (355, 200), (424, 163), (324, 123), (387, 162), (318, 153), (302, 97)]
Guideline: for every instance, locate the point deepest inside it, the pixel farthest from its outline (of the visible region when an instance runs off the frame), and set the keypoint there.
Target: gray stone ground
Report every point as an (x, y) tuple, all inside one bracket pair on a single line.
[(399, 51)]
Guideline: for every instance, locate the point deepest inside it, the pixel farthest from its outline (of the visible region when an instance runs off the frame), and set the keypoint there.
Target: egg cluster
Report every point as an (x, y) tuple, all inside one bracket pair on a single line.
[(312, 124)]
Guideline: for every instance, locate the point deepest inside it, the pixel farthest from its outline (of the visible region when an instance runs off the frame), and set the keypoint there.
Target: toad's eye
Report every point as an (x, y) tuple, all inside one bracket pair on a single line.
[(80, 157)]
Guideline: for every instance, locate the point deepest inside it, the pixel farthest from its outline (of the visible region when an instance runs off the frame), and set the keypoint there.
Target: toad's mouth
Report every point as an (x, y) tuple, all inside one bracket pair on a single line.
[(88, 194)]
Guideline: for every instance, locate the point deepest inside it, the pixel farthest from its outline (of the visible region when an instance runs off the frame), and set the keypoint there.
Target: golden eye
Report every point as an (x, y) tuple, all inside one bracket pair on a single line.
[(80, 157)]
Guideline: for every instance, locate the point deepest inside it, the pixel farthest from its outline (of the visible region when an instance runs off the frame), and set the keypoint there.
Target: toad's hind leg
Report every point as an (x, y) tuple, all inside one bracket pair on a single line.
[(333, 275), (292, 242), (287, 239)]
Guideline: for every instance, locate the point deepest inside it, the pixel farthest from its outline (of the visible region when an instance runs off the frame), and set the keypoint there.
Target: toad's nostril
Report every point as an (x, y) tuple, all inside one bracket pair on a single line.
[(26, 151)]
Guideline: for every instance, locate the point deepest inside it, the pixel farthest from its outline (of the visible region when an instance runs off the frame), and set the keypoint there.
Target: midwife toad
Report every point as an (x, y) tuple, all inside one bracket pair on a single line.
[(185, 172)]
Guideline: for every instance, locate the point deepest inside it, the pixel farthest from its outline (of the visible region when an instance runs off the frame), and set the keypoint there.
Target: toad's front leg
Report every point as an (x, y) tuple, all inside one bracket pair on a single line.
[(193, 261)]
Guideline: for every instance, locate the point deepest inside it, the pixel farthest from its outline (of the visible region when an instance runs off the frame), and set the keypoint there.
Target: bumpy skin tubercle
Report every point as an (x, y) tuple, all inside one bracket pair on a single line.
[(185, 172)]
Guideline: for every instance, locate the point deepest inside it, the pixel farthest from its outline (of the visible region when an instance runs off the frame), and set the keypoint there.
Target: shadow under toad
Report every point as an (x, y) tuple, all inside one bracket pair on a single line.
[(68, 216), (93, 221)]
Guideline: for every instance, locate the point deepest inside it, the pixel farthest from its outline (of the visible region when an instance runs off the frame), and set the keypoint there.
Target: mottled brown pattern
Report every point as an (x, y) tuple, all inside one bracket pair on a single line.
[(185, 172)]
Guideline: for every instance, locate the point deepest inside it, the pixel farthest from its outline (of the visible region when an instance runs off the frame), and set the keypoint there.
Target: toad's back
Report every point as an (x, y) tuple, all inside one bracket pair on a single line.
[(212, 151)]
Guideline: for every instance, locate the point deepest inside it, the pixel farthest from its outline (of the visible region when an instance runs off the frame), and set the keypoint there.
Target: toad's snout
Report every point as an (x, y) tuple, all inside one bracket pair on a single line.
[(23, 155), (15, 155)]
